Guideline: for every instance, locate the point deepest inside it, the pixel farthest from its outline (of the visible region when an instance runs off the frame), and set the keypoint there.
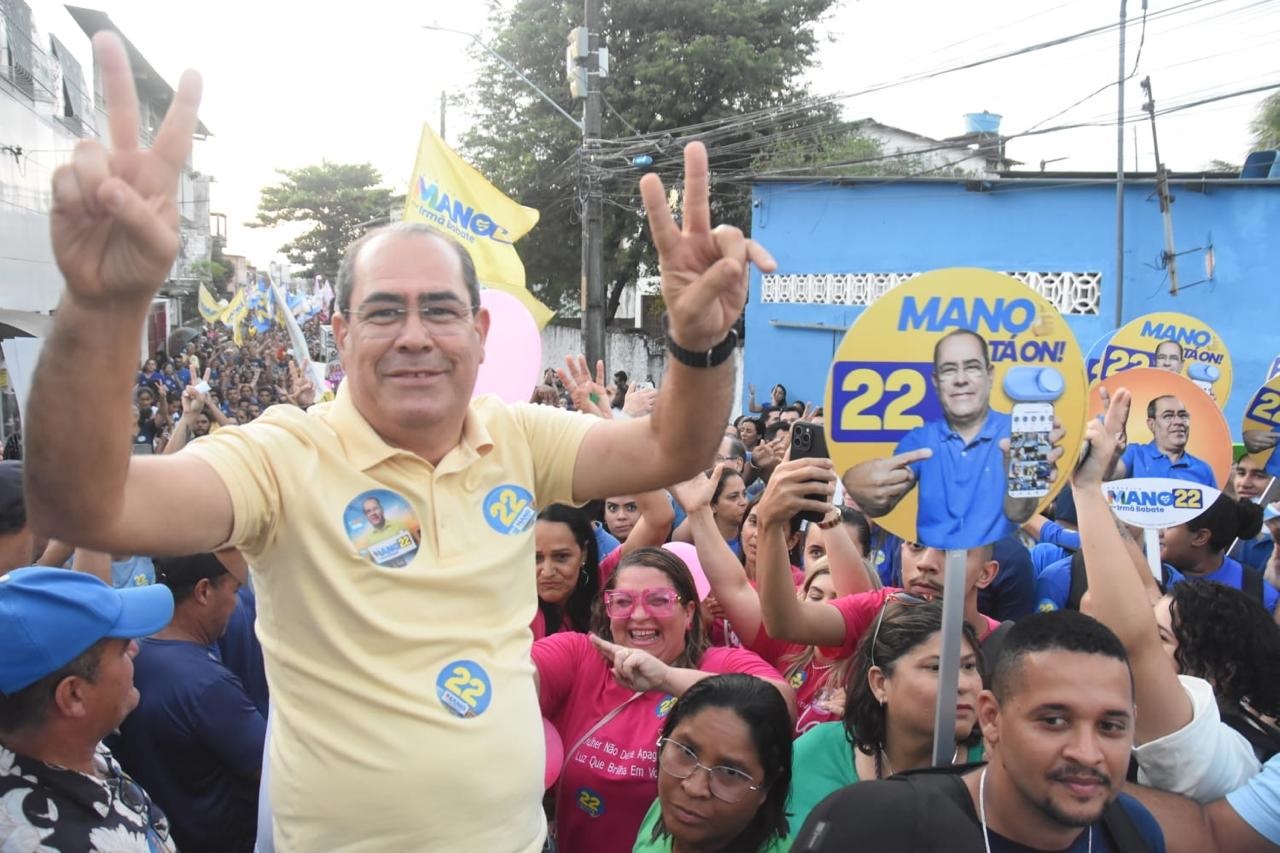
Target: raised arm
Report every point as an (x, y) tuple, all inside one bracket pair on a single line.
[(114, 227), (704, 285), (850, 574), (785, 616), (654, 524), (1117, 597), (724, 572)]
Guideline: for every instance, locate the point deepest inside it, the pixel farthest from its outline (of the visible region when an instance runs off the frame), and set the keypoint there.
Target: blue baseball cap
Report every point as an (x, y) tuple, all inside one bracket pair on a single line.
[(49, 617)]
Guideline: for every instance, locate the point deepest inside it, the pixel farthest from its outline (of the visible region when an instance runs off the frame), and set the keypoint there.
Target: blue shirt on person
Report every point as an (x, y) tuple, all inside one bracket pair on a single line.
[(1231, 574), (1147, 460), (961, 487), (195, 744), (1258, 802), (240, 650), (1012, 594)]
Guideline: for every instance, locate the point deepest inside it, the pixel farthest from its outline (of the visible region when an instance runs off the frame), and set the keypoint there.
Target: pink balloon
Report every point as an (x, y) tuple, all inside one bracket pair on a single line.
[(555, 754), (689, 554), (512, 352)]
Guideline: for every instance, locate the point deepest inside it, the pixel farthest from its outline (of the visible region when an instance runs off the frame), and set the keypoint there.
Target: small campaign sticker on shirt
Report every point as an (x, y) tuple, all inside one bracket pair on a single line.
[(798, 679), (509, 509), (464, 688), (383, 528), (590, 802), (665, 705)]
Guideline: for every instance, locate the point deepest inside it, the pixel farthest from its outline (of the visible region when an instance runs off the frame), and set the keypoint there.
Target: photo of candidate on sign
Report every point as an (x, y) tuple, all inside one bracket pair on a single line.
[(1174, 342), (383, 528), (966, 432), (1262, 426), (1174, 430)]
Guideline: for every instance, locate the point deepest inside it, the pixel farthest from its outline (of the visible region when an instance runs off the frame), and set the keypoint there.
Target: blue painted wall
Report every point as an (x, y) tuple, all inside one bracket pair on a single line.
[(1020, 224)]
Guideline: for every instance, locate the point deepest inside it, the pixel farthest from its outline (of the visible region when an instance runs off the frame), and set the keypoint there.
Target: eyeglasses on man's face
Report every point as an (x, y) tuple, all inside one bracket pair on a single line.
[(384, 317), (726, 783)]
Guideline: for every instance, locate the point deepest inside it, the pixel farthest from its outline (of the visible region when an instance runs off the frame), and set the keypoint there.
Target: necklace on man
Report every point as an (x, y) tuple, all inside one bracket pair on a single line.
[(982, 812)]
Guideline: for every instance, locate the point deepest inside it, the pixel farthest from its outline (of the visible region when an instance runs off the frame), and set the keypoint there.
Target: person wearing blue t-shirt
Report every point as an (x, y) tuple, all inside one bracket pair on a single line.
[(196, 738), (1198, 549), (957, 460), (1166, 454)]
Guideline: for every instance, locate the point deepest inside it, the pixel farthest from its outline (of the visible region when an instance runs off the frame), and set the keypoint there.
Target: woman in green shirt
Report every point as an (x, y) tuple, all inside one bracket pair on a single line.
[(889, 715), (724, 771)]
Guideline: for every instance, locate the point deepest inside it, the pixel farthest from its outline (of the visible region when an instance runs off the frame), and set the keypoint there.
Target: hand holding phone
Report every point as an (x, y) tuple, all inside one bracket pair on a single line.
[(809, 441)]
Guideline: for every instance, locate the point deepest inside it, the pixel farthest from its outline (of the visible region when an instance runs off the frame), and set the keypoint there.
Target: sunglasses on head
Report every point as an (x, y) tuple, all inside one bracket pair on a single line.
[(905, 599), (659, 603)]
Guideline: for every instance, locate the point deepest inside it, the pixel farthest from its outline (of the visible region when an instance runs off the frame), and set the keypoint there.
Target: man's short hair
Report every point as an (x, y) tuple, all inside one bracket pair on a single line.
[(772, 430), (1151, 404), (737, 450), (347, 269), (28, 708), (181, 574), (955, 333), (1156, 351), (1060, 630)]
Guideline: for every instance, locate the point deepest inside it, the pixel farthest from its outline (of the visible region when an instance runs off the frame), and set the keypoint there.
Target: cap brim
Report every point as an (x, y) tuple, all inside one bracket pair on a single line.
[(146, 610)]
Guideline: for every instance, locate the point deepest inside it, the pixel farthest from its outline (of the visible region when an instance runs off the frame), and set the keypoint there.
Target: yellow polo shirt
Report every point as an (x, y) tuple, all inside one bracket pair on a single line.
[(404, 711)]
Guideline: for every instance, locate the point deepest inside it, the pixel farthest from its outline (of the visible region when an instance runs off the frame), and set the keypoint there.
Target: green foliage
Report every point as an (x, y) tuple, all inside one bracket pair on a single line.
[(340, 201), (1266, 124), (209, 271), (673, 63)]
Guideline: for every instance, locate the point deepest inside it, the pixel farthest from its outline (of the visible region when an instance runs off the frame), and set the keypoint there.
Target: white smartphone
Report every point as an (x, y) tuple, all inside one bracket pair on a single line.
[(1029, 449)]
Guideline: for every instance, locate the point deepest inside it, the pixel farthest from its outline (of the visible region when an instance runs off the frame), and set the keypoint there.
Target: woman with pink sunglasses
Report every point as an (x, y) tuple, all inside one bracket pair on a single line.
[(609, 693)]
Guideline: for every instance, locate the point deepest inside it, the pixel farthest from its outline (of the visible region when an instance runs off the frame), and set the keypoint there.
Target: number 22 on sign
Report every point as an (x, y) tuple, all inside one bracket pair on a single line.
[(879, 401)]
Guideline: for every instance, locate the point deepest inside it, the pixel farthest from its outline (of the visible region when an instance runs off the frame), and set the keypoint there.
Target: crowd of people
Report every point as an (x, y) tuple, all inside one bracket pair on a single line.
[(299, 623)]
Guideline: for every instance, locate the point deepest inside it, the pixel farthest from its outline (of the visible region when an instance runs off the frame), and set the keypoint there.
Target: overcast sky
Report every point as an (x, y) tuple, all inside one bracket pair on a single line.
[(290, 83)]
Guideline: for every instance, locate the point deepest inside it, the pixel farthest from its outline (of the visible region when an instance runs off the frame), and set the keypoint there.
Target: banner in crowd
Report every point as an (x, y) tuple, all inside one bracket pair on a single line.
[(233, 315), (956, 402), (210, 310), (447, 192), (1175, 342), (1156, 503)]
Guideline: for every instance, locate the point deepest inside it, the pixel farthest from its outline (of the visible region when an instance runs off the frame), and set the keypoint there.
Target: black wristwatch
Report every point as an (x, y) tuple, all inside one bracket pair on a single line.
[(713, 357)]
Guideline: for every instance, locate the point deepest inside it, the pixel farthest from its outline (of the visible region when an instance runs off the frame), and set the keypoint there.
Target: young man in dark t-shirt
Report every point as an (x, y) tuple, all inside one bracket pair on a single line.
[(196, 737), (1058, 728)]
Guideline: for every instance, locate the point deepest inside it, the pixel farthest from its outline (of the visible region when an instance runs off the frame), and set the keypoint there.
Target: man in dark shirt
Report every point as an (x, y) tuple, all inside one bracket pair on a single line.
[(66, 681), (196, 737)]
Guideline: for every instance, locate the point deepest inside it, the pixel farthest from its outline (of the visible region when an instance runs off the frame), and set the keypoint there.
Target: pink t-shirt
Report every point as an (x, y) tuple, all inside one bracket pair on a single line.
[(859, 612), (808, 681), (610, 780), (722, 633)]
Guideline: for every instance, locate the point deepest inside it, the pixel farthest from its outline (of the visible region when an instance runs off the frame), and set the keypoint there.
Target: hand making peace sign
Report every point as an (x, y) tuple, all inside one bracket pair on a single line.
[(115, 213), (704, 270)]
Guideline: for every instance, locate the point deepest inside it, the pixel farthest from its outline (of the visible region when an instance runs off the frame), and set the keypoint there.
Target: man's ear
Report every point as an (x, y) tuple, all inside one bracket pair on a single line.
[(986, 577), (989, 717)]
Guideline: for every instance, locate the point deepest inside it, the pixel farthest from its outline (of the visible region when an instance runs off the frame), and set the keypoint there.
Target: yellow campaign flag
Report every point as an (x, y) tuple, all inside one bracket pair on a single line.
[(234, 313), (450, 194), (210, 310)]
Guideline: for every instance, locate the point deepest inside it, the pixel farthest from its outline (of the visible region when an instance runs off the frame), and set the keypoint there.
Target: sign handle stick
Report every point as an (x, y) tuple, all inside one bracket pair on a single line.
[(944, 726), (1151, 541)]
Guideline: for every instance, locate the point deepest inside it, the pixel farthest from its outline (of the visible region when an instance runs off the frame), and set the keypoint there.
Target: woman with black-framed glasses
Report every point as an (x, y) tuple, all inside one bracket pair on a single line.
[(724, 763), (608, 695), (889, 715)]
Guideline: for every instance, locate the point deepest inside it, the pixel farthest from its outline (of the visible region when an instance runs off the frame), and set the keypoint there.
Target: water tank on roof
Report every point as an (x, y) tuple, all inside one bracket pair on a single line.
[(983, 122), (1261, 164)]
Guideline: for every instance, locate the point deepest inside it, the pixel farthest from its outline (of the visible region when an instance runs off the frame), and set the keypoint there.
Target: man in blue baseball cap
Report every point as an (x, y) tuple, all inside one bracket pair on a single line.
[(66, 682)]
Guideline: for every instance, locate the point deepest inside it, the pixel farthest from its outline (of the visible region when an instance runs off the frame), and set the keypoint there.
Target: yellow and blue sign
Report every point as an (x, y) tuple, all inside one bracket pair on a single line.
[(464, 688), (1175, 342), (1261, 429), (1156, 503), (383, 528), (885, 398)]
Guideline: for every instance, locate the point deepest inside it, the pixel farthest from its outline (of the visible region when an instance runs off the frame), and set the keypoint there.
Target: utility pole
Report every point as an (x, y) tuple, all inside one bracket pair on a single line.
[(1119, 288), (593, 324), (442, 115), (1170, 256)]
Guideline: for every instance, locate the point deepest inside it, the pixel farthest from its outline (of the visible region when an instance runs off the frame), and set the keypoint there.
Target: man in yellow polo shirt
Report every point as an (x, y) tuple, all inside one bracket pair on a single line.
[(404, 710)]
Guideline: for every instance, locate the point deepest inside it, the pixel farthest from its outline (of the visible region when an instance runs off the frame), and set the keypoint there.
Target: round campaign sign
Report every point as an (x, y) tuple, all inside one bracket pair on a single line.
[(1261, 428), (1184, 423), (1093, 358), (1156, 503), (1173, 342), (955, 406)]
